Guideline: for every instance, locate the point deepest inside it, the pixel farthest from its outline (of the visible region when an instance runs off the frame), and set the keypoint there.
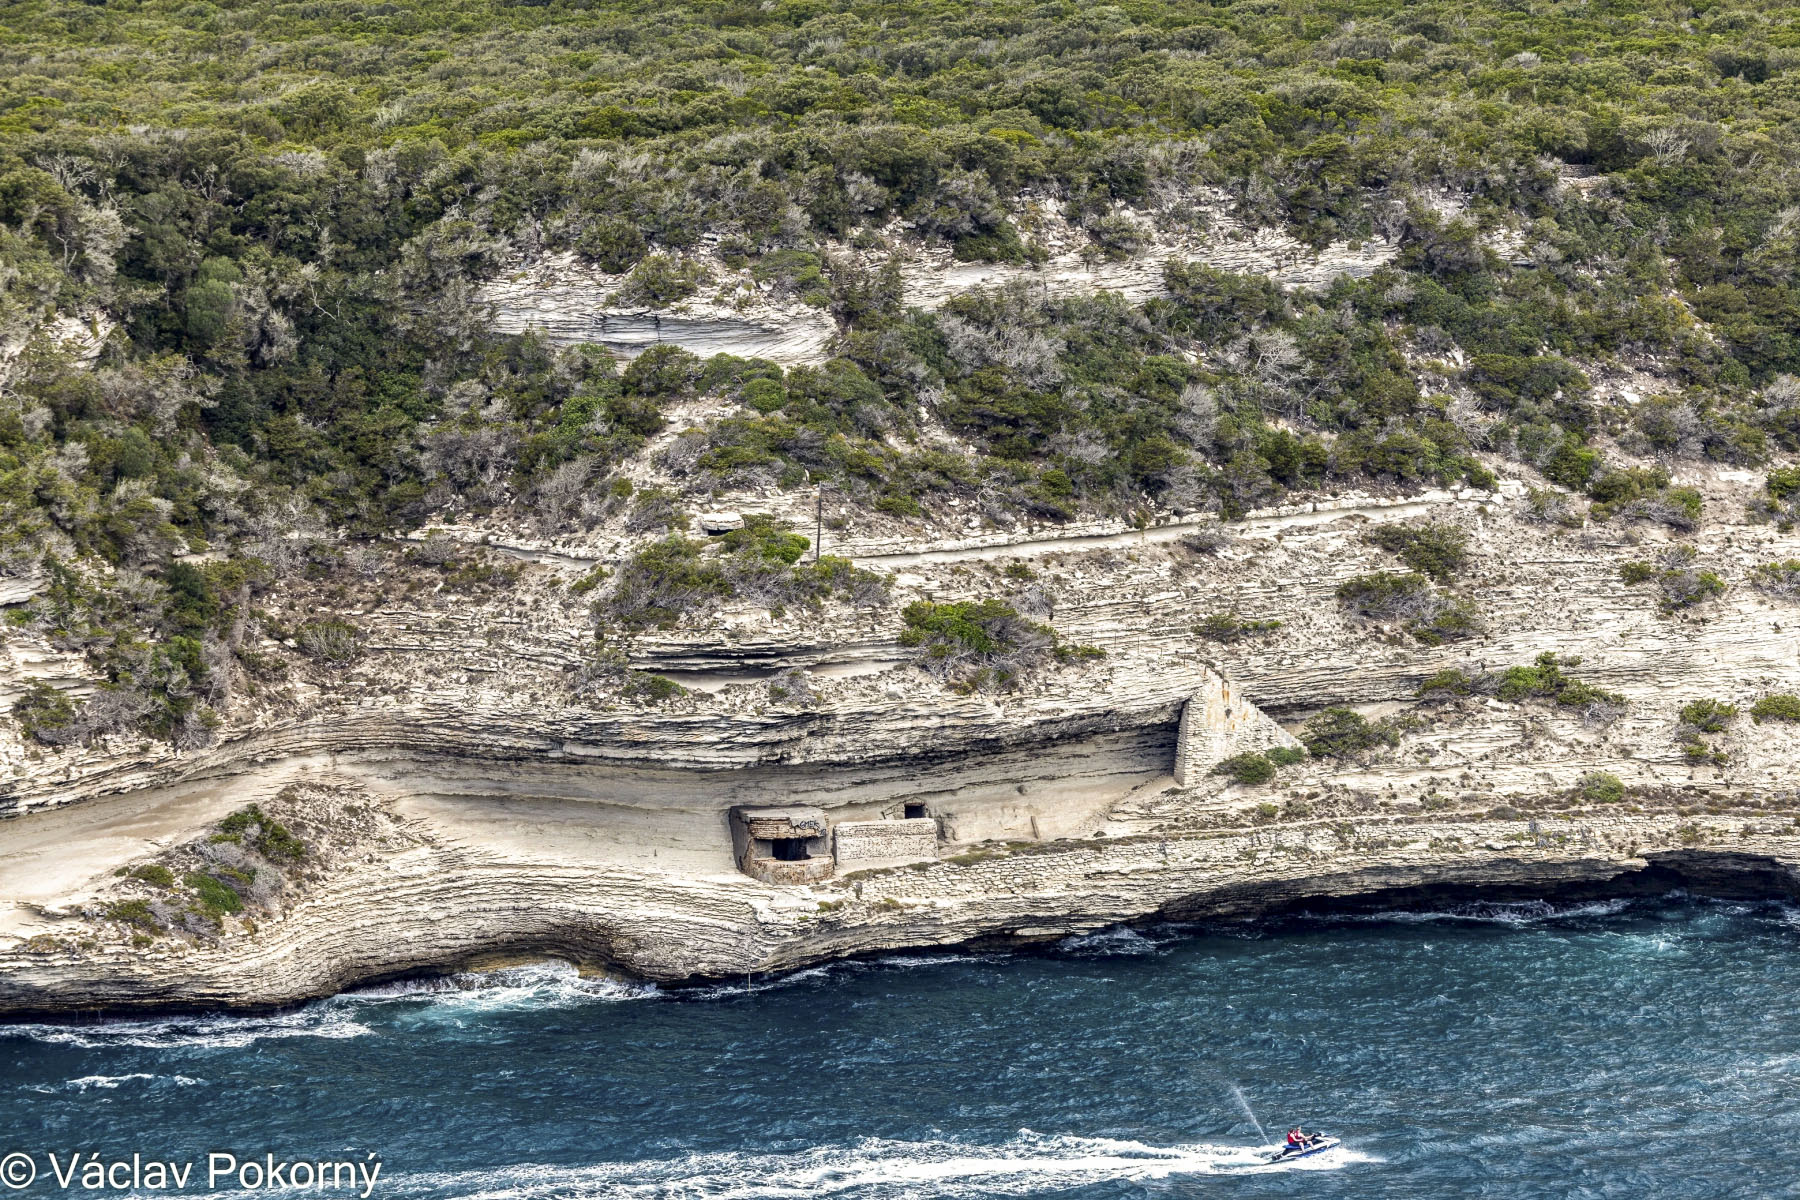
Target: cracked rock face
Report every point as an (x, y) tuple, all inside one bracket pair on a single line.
[(463, 801)]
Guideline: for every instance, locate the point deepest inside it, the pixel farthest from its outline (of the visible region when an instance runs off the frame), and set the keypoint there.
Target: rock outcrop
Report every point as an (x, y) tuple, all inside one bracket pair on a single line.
[(522, 819)]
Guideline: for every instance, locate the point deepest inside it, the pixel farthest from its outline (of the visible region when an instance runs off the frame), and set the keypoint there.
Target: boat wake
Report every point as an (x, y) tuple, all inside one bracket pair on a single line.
[(872, 1169)]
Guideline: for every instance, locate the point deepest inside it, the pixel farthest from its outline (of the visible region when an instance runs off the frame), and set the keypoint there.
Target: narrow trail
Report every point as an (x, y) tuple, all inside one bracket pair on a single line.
[(990, 548), (1126, 539)]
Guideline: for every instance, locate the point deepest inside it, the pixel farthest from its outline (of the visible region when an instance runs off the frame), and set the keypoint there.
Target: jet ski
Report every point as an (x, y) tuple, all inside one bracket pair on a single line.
[(1318, 1143)]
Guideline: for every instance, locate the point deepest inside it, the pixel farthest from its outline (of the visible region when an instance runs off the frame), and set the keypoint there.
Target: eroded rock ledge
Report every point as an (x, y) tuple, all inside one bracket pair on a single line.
[(499, 816), (431, 903)]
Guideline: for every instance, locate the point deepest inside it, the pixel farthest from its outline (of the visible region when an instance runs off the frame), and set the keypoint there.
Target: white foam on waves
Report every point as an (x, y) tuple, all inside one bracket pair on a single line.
[(871, 1169), (1117, 941), (1518, 914), (219, 1032), (536, 985), (552, 984), (111, 1082)]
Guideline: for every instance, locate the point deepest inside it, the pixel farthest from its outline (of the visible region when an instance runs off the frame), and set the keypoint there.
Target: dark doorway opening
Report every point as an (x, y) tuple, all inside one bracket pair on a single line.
[(915, 811), (789, 849)]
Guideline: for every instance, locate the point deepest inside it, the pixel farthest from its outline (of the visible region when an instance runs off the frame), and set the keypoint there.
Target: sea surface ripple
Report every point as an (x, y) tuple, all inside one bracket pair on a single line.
[(1642, 1049)]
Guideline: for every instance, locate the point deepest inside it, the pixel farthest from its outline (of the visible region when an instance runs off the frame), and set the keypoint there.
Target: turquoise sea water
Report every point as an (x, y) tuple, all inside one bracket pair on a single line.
[(1642, 1048)]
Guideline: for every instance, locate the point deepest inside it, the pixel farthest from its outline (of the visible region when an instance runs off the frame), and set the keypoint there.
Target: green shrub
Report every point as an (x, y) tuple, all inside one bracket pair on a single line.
[(1340, 732), (1546, 678), (1782, 706), (651, 689), (135, 913), (1229, 627), (1708, 716), (1434, 549), (1384, 595), (252, 827), (216, 898), (664, 580), (1450, 681), (1431, 616), (1246, 768), (154, 874), (660, 279), (1783, 482), (1778, 578), (330, 639), (1286, 756), (1680, 583), (1601, 787), (1546, 506), (975, 645), (45, 714)]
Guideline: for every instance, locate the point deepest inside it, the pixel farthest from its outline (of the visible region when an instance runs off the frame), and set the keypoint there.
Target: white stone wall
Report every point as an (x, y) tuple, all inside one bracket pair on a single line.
[(1218, 722), (867, 841)]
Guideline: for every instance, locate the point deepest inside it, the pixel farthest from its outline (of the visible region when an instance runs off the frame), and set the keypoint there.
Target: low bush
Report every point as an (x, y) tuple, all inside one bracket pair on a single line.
[(1246, 768), (1448, 682), (331, 640), (1434, 549), (1681, 584), (1547, 679), (1782, 706), (1229, 627), (1778, 578), (1286, 756), (216, 897), (1644, 494), (1601, 787), (1707, 716), (154, 874), (136, 913), (250, 826), (1546, 506), (1432, 616), (661, 279), (1341, 732), (650, 689), (46, 715), (983, 645), (759, 563)]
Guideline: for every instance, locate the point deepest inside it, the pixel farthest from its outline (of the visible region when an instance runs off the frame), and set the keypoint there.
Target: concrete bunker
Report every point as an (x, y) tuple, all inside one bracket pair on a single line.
[(786, 845)]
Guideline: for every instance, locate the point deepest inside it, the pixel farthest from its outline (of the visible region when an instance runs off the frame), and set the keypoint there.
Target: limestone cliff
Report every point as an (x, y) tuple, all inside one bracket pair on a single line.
[(493, 812)]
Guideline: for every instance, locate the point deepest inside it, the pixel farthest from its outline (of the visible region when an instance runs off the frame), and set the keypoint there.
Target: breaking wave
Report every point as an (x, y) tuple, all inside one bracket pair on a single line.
[(216, 1032), (1516, 913), (871, 1169), (552, 984), (110, 1082)]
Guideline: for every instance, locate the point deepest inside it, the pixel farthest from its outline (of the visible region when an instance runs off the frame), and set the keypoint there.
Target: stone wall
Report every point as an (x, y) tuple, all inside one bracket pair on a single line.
[(867, 841), (1218, 722)]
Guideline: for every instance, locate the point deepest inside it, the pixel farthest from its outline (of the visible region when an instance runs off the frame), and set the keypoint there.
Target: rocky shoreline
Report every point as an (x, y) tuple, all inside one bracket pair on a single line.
[(420, 902), (460, 805)]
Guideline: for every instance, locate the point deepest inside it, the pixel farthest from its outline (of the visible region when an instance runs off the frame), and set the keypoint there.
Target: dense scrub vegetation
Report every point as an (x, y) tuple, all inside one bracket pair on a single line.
[(982, 645), (273, 220)]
